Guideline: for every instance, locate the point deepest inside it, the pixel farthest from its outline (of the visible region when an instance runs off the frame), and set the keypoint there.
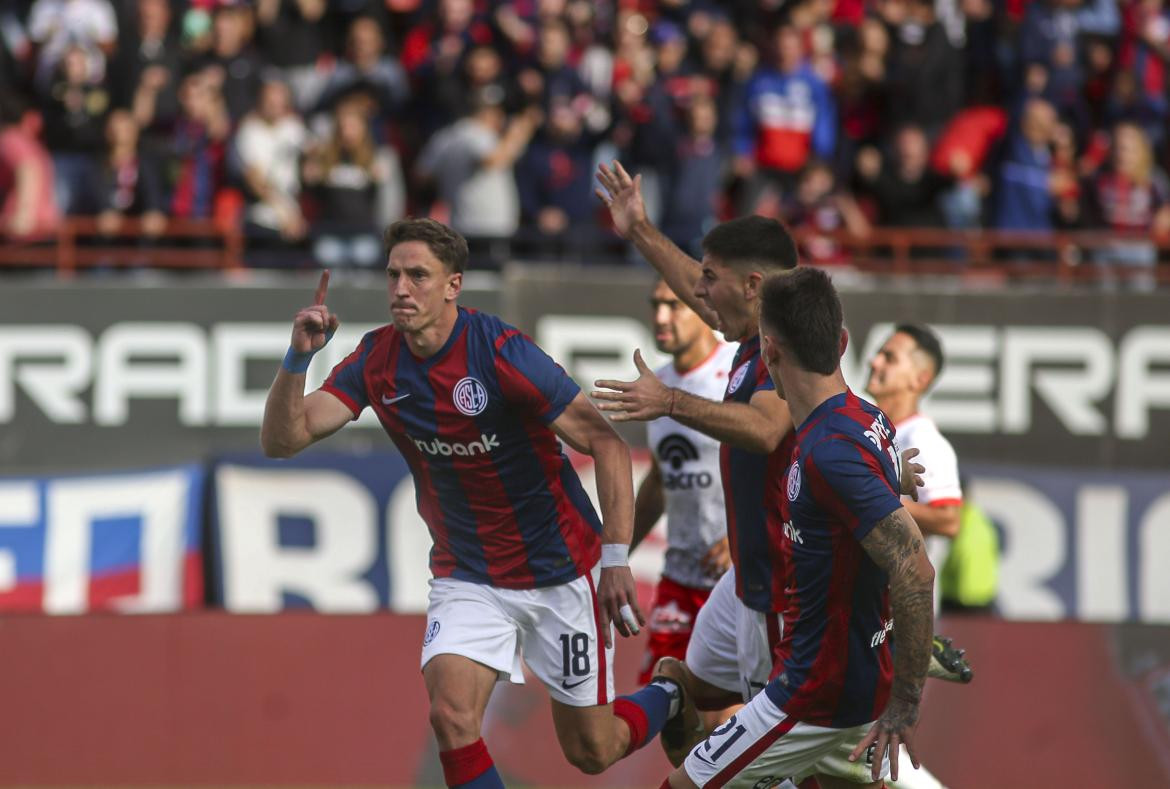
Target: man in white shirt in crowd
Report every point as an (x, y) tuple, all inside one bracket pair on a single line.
[(684, 480)]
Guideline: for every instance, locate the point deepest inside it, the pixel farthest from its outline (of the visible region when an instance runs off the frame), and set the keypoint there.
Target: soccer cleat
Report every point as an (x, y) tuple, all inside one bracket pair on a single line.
[(948, 663), (684, 730)]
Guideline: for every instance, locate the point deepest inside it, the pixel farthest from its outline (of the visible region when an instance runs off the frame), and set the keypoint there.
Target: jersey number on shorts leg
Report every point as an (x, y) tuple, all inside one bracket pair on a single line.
[(575, 654), (731, 728)]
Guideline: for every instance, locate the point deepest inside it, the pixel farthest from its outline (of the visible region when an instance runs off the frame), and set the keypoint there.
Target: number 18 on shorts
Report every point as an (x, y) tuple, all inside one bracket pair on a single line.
[(554, 630)]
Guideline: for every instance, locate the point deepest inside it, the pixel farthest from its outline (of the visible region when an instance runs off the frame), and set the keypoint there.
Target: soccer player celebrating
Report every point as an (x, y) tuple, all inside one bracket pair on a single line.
[(729, 656), (683, 481), (520, 558), (854, 563)]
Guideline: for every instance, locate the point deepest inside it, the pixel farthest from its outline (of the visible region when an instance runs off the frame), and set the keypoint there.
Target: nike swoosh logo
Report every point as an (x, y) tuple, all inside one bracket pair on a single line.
[(392, 400), (569, 686)]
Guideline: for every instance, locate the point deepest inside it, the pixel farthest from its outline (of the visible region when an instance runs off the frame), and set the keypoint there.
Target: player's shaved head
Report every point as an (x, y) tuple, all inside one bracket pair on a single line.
[(445, 244), (928, 350), (752, 243), (802, 310)]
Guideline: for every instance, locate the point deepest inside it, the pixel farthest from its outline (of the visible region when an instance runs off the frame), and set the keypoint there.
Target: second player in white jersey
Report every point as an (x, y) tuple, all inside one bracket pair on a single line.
[(688, 463)]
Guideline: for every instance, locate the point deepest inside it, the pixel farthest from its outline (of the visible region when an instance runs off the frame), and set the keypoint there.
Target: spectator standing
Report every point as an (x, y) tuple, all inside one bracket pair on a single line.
[(357, 186), (269, 145), (788, 116), (695, 178), (74, 115), (472, 163), (144, 76), (907, 190), (291, 37), (555, 176), (367, 65), (1131, 196), (233, 61), (198, 146), (126, 183), (1025, 185), (925, 78), (56, 25), (1051, 39), (28, 211), (1145, 53)]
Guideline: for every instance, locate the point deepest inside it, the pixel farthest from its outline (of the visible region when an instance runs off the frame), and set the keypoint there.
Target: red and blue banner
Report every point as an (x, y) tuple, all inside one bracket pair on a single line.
[(126, 542)]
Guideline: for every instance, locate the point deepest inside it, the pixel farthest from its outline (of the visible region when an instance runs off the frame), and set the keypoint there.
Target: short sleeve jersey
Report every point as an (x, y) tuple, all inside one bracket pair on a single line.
[(502, 502), (696, 517), (746, 491), (833, 664)]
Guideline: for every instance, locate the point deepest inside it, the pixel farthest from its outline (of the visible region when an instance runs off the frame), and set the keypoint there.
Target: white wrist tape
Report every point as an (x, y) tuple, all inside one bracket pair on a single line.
[(614, 554)]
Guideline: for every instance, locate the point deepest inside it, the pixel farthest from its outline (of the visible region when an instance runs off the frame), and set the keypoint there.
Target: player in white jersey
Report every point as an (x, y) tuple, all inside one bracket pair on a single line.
[(684, 481), (900, 375)]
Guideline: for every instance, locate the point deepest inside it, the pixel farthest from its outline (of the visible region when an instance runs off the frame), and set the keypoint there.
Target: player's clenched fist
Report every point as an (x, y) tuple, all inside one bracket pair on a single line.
[(313, 326)]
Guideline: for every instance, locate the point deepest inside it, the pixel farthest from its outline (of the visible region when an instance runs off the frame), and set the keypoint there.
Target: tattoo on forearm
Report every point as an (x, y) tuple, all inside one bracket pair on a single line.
[(895, 545)]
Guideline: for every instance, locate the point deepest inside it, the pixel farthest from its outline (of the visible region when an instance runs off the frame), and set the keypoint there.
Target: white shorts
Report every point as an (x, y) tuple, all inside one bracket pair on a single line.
[(761, 746), (556, 630), (731, 644), (837, 764)]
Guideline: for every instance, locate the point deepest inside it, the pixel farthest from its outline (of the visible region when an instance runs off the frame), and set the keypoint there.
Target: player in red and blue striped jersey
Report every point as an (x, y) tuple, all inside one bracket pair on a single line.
[(854, 562), (729, 657), (520, 558)]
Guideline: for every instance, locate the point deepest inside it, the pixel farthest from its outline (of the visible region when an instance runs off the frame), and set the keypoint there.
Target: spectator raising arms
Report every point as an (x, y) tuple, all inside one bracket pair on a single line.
[(472, 161)]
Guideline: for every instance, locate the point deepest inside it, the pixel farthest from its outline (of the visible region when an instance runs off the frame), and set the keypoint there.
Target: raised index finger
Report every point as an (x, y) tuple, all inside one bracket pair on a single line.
[(322, 286)]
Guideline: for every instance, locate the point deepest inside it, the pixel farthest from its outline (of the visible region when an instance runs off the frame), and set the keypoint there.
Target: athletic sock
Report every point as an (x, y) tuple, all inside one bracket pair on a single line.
[(648, 710), (470, 767)]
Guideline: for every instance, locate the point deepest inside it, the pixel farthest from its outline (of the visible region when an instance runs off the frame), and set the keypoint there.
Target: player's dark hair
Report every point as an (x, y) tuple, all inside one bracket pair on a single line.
[(801, 309), (926, 340), (755, 243), (444, 243)]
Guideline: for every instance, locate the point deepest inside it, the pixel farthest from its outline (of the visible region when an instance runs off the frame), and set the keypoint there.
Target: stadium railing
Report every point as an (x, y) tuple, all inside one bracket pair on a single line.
[(81, 244), (1061, 256)]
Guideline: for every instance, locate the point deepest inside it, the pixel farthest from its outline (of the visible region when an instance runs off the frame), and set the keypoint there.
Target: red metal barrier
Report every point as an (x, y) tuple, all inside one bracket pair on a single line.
[(209, 699)]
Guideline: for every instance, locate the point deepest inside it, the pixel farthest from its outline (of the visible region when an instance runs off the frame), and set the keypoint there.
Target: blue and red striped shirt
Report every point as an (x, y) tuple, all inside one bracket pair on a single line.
[(502, 502), (748, 485), (833, 665)]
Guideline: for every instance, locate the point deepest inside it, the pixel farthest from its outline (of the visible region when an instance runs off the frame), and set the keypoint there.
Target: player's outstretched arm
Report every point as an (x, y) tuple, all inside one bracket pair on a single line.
[(895, 544), (757, 426), (585, 430), (649, 505), (292, 421), (622, 195)]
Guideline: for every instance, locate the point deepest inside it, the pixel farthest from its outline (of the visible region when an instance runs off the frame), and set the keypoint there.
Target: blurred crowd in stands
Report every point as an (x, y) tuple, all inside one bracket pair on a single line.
[(316, 122)]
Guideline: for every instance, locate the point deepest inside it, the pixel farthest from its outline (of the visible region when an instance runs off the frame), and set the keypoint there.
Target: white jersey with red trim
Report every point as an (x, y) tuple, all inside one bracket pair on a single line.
[(689, 463), (940, 481)]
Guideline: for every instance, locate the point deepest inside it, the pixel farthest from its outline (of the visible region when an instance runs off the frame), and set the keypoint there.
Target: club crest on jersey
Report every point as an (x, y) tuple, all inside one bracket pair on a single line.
[(794, 480), (737, 379), (470, 396), (432, 631)]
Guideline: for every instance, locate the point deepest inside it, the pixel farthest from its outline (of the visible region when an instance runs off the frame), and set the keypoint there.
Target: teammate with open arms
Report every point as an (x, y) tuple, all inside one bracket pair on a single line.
[(476, 409), (854, 562), (729, 656)]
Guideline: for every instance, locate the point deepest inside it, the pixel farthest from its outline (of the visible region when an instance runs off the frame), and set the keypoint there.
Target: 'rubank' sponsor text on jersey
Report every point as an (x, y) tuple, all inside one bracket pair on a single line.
[(502, 503)]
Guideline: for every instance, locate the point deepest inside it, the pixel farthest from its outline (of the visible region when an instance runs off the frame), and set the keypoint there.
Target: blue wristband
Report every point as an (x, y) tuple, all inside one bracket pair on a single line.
[(296, 361)]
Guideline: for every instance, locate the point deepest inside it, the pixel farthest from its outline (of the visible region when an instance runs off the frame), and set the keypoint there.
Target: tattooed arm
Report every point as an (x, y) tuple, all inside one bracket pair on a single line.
[(895, 544)]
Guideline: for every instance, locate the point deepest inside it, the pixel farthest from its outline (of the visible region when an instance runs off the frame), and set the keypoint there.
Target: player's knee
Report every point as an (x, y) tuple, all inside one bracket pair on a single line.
[(588, 754), (453, 725)]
